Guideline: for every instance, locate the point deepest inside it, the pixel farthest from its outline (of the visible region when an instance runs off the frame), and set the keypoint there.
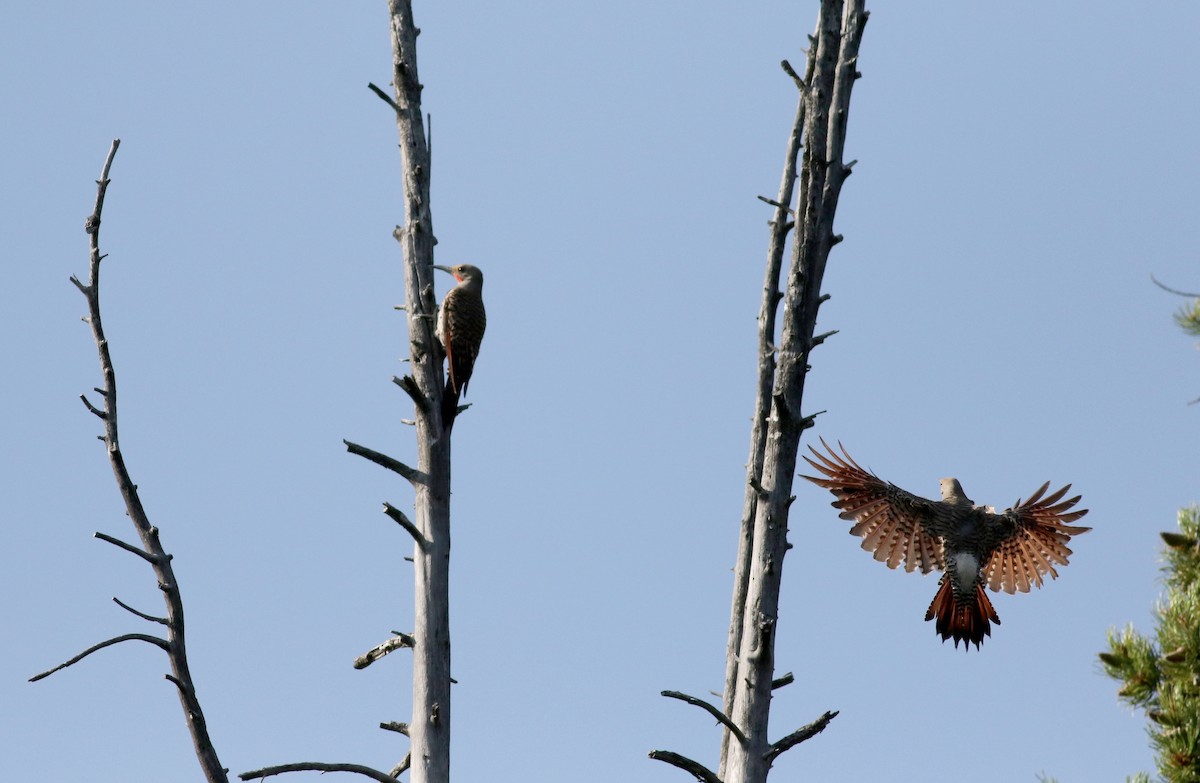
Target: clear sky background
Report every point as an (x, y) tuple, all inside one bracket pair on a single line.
[(1022, 171)]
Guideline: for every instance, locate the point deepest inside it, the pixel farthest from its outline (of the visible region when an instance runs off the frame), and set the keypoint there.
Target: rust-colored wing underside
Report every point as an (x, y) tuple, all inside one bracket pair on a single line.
[(897, 526), (1034, 540)]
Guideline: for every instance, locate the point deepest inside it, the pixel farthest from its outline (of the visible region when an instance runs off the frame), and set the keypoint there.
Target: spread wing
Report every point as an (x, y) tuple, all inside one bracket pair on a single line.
[(896, 525), (1033, 539)]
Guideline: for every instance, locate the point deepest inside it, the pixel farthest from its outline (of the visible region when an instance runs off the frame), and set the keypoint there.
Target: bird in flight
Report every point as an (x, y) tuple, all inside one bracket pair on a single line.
[(972, 545)]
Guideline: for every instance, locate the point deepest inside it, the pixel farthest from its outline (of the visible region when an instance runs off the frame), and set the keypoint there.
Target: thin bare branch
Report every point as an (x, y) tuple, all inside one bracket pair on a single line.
[(396, 726), (385, 461), (757, 487), (780, 682), (143, 615), (820, 338), (800, 735), (129, 637), (149, 558), (402, 519), (151, 550), (710, 709), (383, 96), (409, 384), (88, 403), (776, 204), (801, 84), (1171, 290), (403, 766), (695, 768), (809, 421), (316, 766), (398, 642)]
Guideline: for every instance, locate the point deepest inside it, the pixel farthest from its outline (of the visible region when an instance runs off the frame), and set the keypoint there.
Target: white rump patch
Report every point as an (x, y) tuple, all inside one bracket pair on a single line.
[(966, 566)]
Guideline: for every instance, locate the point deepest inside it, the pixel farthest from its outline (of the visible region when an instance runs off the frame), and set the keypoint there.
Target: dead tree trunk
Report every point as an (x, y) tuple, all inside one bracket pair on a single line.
[(825, 102), (429, 731), (430, 727), (747, 752), (152, 551)]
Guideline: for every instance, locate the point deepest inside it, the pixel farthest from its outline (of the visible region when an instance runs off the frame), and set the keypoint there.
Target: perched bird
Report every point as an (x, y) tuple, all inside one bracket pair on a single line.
[(460, 328), (972, 545)]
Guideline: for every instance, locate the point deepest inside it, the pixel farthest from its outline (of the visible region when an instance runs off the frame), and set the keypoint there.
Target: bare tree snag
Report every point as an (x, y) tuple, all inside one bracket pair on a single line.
[(816, 140), (781, 225), (429, 731), (151, 549), (827, 85)]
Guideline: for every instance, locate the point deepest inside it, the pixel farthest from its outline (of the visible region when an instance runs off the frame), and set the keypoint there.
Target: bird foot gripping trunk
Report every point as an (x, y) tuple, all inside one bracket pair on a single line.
[(964, 620)]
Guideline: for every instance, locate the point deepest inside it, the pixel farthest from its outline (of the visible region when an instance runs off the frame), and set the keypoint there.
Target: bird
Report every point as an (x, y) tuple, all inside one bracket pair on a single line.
[(971, 544), (460, 327)]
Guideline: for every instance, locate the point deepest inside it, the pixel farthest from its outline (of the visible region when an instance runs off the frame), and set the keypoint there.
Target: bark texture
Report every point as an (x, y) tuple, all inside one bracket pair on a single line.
[(151, 549), (429, 729), (778, 422), (813, 173)]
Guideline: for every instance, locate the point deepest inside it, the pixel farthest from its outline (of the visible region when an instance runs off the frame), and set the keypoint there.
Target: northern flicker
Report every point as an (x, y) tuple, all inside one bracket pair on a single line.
[(972, 545), (460, 327)]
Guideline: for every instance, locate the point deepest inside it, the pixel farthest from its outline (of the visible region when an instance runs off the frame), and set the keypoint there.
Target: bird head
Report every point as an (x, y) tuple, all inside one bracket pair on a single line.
[(463, 273), (952, 491)]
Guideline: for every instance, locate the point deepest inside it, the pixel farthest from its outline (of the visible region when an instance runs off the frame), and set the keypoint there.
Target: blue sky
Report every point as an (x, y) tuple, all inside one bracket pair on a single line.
[(1022, 171)]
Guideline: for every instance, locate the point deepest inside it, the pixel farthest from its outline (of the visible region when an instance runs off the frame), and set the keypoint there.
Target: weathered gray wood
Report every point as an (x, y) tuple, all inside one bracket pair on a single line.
[(819, 130), (826, 89), (781, 225), (317, 766), (151, 550), (429, 730)]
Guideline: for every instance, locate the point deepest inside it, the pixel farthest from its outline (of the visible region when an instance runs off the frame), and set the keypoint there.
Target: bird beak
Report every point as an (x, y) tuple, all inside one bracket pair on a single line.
[(449, 271)]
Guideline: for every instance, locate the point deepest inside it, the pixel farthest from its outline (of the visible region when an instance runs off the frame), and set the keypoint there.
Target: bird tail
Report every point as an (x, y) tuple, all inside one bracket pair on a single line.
[(449, 407), (966, 621)]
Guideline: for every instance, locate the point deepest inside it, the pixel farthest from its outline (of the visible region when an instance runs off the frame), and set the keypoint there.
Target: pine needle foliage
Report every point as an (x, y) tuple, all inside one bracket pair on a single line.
[(1160, 673), (1188, 318)]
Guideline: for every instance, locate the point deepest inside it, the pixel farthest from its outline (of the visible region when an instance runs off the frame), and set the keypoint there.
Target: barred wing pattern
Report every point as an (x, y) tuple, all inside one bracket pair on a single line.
[(463, 323), (974, 545), (897, 526), (1033, 539)]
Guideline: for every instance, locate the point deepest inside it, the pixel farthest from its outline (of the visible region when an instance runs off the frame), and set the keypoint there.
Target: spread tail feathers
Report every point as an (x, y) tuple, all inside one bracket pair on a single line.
[(963, 620)]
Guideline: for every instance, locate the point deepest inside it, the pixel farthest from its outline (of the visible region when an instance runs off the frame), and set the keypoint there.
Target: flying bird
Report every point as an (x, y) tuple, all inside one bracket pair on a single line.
[(972, 545), (460, 328)]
